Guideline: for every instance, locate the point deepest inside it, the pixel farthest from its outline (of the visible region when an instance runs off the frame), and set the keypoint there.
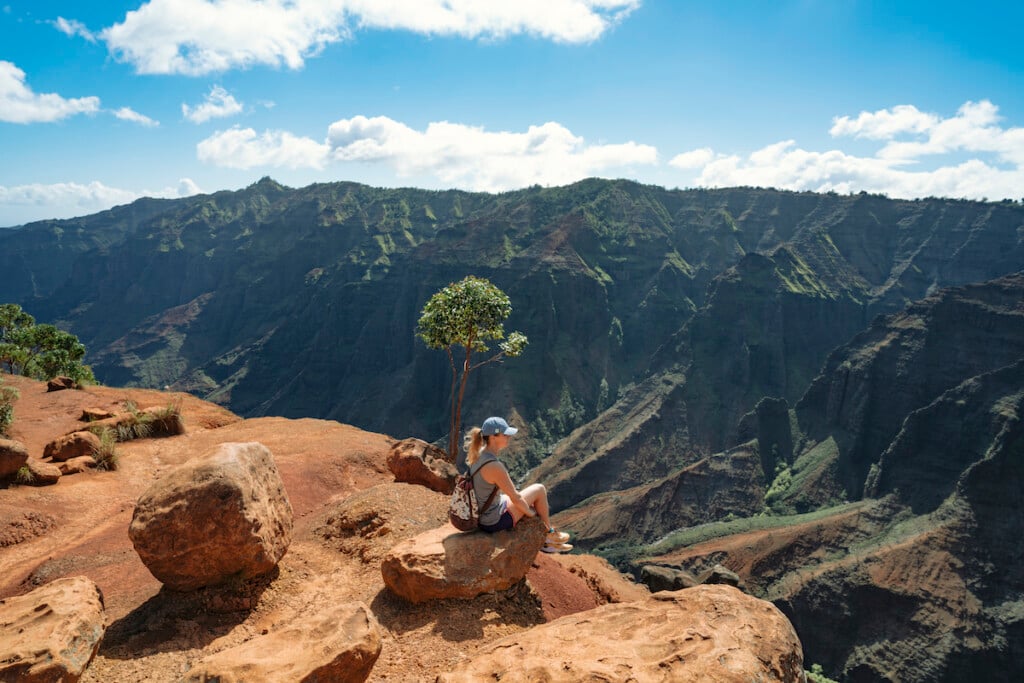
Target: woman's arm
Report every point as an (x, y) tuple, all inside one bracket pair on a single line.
[(495, 473)]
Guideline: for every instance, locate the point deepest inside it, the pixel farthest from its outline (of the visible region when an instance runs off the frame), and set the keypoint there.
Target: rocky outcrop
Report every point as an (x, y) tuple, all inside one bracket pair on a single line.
[(13, 455), (723, 484), (904, 362), (336, 643), (42, 473), (447, 563), (708, 633), (77, 465), (629, 444), (52, 633), (415, 461), (661, 578), (221, 515), (369, 523), (61, 383), (72, 445)]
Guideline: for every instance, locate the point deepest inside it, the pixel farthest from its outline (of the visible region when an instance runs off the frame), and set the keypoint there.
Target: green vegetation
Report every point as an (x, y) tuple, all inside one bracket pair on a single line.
[(816, 675), (468, 313), (39, 351), (623, 555), (141, 424), (24, 476), (8, 395), (106, 455)]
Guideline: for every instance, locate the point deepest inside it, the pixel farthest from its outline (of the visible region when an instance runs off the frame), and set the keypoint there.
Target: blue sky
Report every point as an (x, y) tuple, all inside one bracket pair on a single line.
[(101, 103)]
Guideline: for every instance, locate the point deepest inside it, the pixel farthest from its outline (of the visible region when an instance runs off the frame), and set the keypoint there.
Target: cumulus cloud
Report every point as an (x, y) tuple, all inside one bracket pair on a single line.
[(219, 103), (71, 27), (457, 155), (909, 137), (204, 36), (129, 114), (18, 104), (24, 203), (243, 148)]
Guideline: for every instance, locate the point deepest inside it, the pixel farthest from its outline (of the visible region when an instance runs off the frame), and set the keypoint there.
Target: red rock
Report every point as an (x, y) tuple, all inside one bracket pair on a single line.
[(415, 461), (42, 473), (447, 563), (60, 384), (52, 633), (706, 634), (77, 465), (337, 643), (13, 455), (72, 445), (219, 516)]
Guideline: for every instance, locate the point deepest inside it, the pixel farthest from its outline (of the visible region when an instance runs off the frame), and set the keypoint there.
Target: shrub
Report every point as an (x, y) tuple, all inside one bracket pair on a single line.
[(106, 455), (8, 395), (24, 476)]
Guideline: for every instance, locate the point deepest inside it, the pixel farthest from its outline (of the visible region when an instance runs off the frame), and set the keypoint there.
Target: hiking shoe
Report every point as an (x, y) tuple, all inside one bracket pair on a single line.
[(556, 548), (557, 537)]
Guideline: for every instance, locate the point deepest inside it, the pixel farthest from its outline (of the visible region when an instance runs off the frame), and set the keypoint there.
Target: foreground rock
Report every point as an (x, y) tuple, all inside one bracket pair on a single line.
[(72, 445), (13, 455), (704, 634), (447, 563), (52, 633), (223, 515), (339, 643), (370, 523), (42, 473), (415, 461)]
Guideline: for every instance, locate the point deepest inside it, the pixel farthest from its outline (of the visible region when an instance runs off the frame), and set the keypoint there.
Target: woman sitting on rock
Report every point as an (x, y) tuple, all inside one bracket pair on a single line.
[(489, 476)]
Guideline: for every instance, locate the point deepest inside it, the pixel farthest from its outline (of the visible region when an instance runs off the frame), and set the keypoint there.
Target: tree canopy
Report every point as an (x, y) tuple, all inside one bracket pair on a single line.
[(40, 351), (468, 314)]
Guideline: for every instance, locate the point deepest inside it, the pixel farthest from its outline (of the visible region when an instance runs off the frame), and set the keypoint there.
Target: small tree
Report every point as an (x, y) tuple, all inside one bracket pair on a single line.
[(468, 313), (39, 351)]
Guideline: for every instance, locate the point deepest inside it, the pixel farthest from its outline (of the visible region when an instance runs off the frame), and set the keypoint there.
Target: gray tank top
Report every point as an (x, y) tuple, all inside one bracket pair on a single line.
[(482, 488)]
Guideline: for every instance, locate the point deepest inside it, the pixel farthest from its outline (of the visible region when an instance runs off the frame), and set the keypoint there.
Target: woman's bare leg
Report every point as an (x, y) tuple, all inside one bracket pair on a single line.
[(536, 497)]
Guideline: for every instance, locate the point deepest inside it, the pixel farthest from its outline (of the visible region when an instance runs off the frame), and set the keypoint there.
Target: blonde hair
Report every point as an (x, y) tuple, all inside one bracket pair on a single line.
[(475, 441)]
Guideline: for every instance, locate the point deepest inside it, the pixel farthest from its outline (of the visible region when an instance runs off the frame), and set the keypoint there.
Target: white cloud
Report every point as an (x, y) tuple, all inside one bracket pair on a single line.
[(455, 154), (996, 170), (473, 158), (23, 203), (204, 36), (693, 159), (219, 103), (18, 104), (128, 114), (243, 148), (73, 28)]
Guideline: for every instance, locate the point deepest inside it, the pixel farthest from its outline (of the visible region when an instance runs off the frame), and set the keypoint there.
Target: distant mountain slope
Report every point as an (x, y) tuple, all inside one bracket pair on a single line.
[(918, 422), (296, 302)]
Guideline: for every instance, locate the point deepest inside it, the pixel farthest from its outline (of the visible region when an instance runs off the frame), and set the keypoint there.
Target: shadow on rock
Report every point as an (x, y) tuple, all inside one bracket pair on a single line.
[(172, 621), (456, 619)]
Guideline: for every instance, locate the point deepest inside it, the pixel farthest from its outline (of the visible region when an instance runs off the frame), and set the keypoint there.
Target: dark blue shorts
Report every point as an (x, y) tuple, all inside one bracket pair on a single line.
[(505, 522)]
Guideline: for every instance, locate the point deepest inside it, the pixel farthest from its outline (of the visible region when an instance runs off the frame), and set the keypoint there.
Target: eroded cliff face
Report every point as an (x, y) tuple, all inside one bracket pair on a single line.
[(919, 578), (869, 387)]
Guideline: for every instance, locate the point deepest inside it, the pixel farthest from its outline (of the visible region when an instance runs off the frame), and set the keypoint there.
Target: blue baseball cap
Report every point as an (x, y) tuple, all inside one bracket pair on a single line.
[(497, 425)]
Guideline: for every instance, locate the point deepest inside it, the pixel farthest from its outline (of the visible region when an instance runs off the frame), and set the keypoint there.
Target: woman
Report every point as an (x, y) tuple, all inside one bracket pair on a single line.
[(489, 476)]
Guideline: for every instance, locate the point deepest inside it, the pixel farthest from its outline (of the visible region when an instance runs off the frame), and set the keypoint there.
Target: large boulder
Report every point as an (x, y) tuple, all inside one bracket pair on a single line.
[(337, 643), (715, 634), (13, 455), (223, 515), (447, 563), (72, 445), (52, 633), (414, 461)]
